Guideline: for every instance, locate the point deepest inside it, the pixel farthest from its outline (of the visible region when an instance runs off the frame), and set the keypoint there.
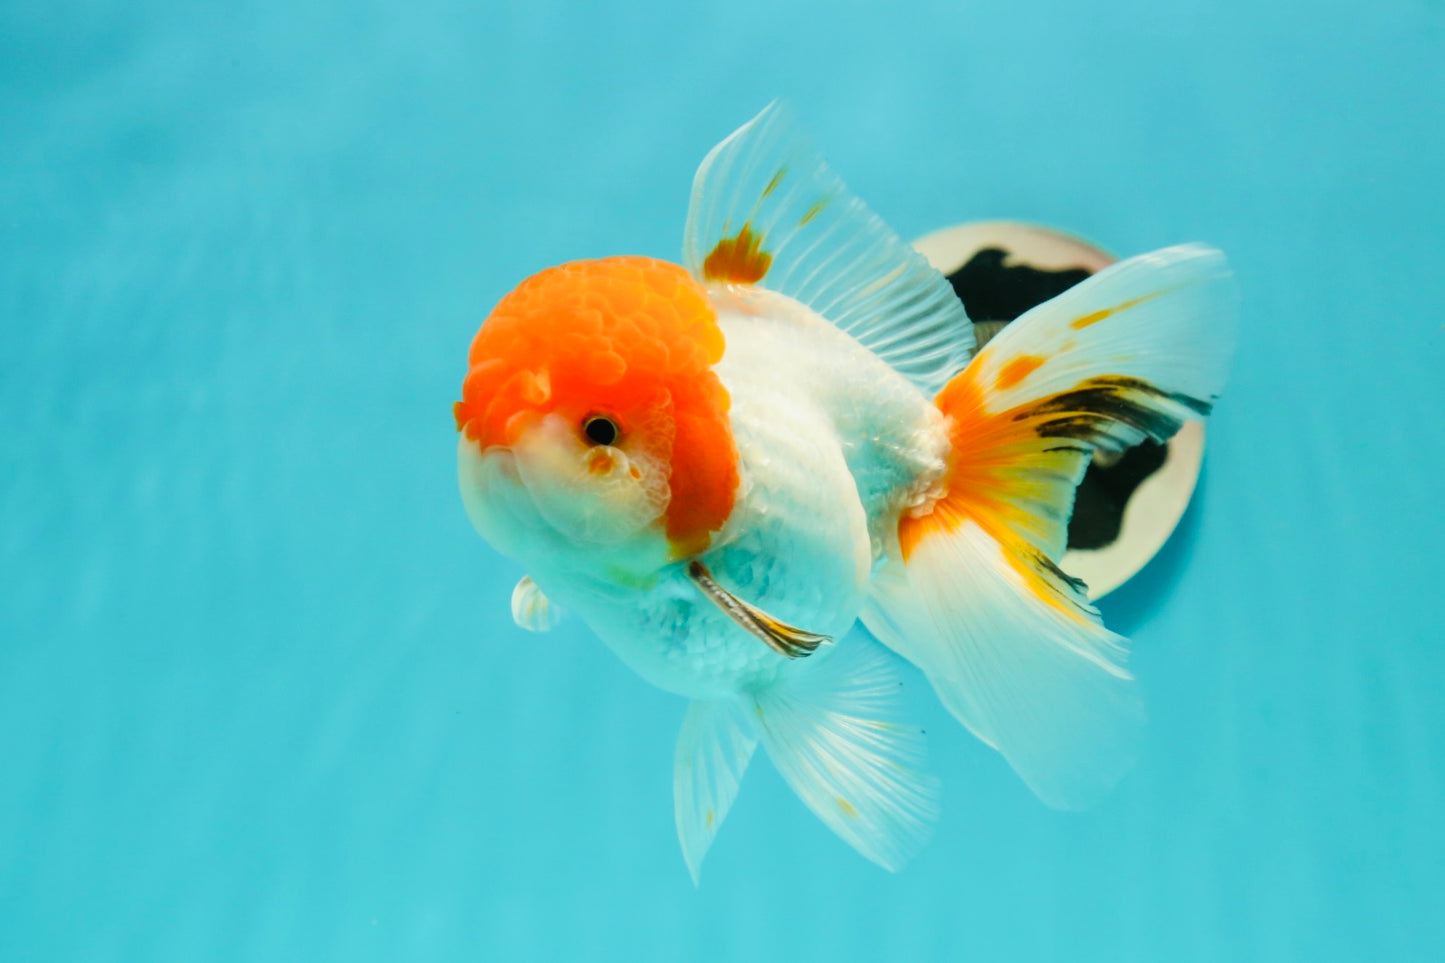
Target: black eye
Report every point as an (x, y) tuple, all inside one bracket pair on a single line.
[(600, 429)]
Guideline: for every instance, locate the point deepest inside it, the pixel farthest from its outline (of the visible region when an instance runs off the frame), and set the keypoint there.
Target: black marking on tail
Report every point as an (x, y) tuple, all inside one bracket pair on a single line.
[(1074, 590), (1087, 412)]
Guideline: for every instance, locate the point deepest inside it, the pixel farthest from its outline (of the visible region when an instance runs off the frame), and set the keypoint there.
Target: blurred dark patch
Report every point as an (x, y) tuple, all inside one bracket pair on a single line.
[(1103, 493), (993, 291)]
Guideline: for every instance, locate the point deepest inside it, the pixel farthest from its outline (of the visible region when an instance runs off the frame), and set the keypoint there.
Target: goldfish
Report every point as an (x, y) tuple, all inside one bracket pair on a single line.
[(763, 474)]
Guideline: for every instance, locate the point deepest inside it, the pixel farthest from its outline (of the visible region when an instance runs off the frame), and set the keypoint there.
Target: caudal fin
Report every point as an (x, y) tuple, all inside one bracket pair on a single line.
[(977, 601)]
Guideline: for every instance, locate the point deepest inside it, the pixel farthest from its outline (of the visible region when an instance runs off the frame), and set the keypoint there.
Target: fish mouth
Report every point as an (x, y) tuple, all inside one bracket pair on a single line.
[(498, 502)]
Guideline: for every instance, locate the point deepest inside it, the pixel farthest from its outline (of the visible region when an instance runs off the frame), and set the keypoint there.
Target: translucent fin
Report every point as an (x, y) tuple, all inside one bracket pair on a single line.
[(713, 749), (531, 609), (1010, 642), (1129, 353), (1041, 682), (767, 210), (829, 729)]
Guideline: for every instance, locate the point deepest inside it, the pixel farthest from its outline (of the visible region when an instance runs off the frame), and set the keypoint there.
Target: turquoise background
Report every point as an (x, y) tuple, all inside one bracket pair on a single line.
[(260, 695)]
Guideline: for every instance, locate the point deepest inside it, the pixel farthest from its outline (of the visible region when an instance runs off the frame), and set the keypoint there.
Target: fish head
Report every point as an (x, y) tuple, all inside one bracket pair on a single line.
[(593, 429)]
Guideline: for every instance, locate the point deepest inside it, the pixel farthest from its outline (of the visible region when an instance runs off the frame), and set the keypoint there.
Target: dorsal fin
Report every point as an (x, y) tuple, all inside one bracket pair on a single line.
[(766, 210)]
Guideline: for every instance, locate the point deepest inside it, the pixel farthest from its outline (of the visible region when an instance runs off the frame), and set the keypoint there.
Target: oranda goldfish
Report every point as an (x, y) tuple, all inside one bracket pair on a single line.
[(721, 466)]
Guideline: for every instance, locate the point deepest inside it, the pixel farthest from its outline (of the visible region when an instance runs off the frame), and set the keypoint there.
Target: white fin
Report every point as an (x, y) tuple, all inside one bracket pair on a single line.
[(829, 728), (1166, 319), (713, 749), (531, 609), (766, 209), (1009, 641), (1043, 685)]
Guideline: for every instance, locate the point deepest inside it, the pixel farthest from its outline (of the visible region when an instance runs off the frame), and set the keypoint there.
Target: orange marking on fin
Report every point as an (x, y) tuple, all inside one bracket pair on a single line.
[(846, 808), (777, 179), (985, 486), (711, 818), (738, 260), (1017, 370), (818, 207), (1097, 316)]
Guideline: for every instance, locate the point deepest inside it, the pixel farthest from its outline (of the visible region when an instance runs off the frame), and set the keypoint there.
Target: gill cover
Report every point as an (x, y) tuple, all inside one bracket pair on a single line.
[(630, 341)]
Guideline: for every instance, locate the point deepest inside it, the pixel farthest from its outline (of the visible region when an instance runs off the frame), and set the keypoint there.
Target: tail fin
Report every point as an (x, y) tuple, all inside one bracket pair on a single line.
[(1009, 641), (829, 727)]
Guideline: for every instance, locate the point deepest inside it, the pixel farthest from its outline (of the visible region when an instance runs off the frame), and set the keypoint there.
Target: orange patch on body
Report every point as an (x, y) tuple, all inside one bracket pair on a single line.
[(1017, 370), (633, 337), (600, 463), (738, 260), (1094, 318)]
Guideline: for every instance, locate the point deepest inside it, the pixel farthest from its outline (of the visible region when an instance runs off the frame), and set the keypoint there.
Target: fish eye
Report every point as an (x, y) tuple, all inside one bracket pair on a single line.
[(600, 429)]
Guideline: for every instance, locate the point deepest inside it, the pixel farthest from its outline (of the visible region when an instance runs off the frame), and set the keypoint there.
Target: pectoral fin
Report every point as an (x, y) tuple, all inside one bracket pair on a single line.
[(782, 638), (531, 609)]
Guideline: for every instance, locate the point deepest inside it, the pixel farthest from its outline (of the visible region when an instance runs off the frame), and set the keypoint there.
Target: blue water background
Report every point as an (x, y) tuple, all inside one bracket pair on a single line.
[(260, 696)]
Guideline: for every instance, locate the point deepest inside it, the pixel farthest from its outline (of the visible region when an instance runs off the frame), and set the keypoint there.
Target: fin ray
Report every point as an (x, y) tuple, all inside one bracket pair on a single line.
[(1043, 684), (714, 746), (977, 600), (1130, 353), (830, 729), (787, 640), (531, 609), (767, 210)]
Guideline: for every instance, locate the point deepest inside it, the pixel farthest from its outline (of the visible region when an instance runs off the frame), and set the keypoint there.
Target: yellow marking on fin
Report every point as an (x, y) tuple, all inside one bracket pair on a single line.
[(846, 808), (711, 818), (738, 260), (1017, 370), (1097, 316), (777, 179), (812, 212), (982, 487)]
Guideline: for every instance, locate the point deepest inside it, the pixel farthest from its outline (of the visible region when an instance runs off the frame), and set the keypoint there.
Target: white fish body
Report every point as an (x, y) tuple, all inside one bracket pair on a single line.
[(854, 459)]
